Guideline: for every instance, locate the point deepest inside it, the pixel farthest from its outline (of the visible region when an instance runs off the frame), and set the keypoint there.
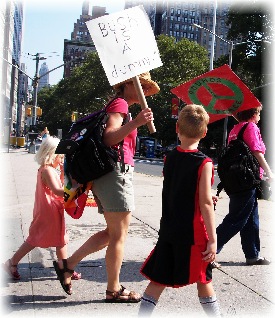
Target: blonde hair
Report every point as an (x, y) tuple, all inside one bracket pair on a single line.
[(46, 153), (193, 120)]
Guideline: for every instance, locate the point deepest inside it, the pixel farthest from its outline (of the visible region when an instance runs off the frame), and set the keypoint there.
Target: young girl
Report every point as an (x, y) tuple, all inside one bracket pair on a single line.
[(48, 225)]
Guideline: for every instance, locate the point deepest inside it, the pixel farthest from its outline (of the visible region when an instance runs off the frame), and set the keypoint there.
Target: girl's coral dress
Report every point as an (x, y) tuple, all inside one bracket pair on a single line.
[(47, 228)]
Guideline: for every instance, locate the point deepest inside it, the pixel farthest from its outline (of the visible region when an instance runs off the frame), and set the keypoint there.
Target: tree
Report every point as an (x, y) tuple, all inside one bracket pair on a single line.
[(251, 22), (182, 61)]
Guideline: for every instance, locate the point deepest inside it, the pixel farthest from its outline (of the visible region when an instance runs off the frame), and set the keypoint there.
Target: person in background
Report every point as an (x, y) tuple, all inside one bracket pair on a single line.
[(243, 215), (45, 133), (187, 236), (47, 228), (114, 193)]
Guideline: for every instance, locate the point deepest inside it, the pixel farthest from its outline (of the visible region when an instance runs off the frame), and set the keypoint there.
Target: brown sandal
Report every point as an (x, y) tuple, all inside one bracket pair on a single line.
[(60, 275), (11, 270), (118, 297)]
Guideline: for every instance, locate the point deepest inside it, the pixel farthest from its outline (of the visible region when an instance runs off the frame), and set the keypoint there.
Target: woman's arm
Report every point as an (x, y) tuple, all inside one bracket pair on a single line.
[(263, 163), (115, 133)]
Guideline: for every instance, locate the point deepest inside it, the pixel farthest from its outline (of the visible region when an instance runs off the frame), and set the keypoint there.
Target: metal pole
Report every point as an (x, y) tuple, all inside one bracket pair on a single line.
[(213, 37), (225, 123), (35, 88)]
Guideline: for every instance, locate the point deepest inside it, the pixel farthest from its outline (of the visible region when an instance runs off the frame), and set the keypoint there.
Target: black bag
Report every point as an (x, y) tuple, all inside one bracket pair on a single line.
[(264, 191), (86, 156), (238, 168)]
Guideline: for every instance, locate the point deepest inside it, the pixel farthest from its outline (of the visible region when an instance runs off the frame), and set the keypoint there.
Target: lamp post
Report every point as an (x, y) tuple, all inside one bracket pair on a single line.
[(35, 86), (230, 64)]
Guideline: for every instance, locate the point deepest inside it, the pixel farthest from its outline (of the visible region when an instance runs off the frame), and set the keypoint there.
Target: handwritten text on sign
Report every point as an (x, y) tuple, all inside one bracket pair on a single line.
[(125, 43)]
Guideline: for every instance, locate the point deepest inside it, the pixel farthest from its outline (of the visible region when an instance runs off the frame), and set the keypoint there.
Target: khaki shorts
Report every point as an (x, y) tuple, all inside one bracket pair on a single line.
[(114, 192)]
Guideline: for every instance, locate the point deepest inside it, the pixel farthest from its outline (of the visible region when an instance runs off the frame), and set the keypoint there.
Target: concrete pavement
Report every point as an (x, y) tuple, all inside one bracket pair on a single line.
[(242, 290)]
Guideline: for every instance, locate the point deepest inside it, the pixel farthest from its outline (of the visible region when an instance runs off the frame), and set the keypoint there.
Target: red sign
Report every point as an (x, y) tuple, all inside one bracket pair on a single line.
[(175, 108), (220, 91)]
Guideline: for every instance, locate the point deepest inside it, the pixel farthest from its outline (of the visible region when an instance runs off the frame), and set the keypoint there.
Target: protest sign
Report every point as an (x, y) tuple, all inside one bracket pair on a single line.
[(220, 91), (125, 43)]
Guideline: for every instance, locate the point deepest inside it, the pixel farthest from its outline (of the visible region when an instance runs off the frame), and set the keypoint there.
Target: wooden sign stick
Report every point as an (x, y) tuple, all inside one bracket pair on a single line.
[(142, 101)]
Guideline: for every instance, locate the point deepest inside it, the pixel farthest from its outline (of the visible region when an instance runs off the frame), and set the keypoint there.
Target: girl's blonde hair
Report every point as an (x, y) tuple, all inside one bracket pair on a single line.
[(46, 153)]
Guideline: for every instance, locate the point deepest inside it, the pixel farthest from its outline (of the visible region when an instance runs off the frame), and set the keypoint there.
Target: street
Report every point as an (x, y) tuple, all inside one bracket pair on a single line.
[(153, 167), (243, 291)]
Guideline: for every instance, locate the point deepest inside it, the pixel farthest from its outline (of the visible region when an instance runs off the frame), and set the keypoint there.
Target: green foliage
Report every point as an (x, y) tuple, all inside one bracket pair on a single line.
[(251, 24)]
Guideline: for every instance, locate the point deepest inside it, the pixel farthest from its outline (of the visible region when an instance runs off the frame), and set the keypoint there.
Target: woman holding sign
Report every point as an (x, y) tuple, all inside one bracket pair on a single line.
[(114, 192)]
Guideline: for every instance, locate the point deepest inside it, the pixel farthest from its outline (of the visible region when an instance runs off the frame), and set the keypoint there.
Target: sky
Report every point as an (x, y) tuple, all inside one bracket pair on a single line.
[(46, 24)]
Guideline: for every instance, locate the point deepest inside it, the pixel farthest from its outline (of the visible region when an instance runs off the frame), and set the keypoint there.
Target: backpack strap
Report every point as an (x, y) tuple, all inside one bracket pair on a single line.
[(240, 134), (125, 120)]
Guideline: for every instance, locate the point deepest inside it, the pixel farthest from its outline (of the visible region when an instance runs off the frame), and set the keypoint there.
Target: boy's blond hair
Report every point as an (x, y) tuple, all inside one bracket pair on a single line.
[(192, 122)]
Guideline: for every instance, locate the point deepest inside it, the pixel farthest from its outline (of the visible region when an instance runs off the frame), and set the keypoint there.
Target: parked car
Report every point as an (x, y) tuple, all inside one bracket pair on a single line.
[(159, 151), (169, 148)]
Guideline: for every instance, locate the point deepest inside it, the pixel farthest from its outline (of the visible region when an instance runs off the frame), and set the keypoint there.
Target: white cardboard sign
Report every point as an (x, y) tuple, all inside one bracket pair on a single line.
[(125, 43)]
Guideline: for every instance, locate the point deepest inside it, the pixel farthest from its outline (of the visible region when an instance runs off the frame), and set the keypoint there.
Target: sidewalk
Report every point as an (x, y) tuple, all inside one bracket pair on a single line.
[(243, 291)]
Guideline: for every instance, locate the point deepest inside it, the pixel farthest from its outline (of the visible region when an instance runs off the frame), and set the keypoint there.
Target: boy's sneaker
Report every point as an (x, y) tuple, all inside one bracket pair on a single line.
[(258, 261)]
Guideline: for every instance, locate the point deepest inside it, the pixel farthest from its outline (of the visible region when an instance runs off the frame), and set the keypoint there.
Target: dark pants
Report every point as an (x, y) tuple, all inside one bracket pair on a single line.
[(243, 217)]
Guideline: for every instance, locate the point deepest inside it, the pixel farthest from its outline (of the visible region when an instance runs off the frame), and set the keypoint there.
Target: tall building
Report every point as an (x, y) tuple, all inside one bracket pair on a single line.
[(22, 99), (11, 17), (18, 29), (177, 18), (81, 43), (43, 79)]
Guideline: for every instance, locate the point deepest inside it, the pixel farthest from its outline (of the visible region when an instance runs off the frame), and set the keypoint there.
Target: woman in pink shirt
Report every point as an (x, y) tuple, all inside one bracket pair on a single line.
[(243, 214), (114, 192)]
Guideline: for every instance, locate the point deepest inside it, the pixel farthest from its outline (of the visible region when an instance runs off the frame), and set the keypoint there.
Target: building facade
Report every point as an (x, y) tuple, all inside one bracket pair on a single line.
[(43, 79), (11, 18), (177, 19), (81, 43)]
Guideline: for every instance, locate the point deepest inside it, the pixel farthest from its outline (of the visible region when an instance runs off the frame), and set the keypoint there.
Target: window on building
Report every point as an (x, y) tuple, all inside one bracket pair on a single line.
[(179, 11), (184, 27)]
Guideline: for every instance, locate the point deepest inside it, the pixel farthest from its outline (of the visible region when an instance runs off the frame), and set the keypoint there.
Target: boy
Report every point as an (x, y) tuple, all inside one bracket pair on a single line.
[(187, 238)]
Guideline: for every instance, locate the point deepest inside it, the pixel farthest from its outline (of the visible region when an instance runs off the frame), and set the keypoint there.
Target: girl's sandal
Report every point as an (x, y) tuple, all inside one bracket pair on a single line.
[(60, 275), (119, 297), (76, 276), (11, 270)]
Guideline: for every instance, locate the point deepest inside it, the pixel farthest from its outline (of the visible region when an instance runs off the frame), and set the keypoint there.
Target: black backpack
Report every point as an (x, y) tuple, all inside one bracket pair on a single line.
[(86, 156), (238, 169)]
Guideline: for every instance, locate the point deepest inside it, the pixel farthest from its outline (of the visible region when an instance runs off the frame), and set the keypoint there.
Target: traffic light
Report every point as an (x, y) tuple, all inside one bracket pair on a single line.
[(38, 112), (74, 116), (29, 111)]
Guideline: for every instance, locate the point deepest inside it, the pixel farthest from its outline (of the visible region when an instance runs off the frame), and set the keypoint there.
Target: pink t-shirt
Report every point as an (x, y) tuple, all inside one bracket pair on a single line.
[(251, 136), (119, 105)]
